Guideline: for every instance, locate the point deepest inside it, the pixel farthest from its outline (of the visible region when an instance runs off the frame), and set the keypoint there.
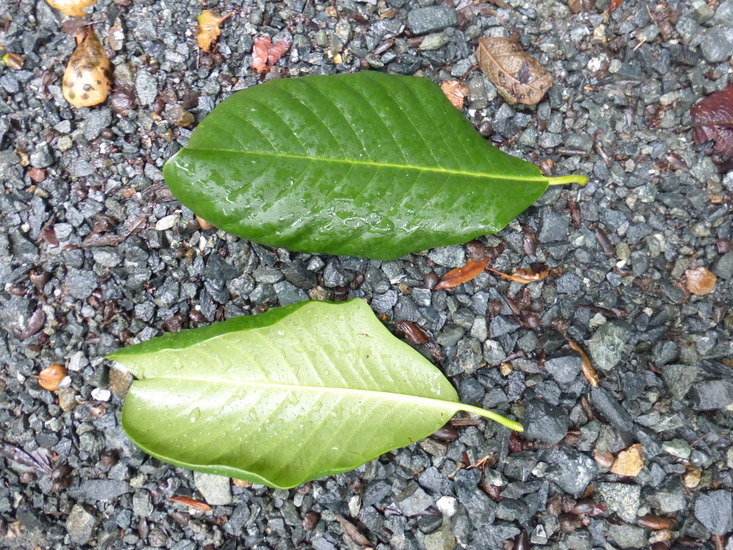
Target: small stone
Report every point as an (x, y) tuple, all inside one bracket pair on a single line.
[(180, 117), (611, 409), (715, 511), (544, 422), (104, 489), (215, 489), (81, 524), (442, 539), (434, 41), (711, 395), (146, 87), (67, 399), (564, 369), (622, 498), (447, 506), (80, 284), (677, 447), (238, 519), (628, 536), (120, 381), (413, 500), (431, 19), (679, 379), (715, 45), (571, 470), (723, 267), (609, 347), (95, 122), (142, 504), (554, 226), (448, 256), (41, 157)]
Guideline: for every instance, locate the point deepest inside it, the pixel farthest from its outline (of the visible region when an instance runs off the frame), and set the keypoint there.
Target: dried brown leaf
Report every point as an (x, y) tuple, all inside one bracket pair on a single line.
[(657, 523), (692, 477), (191, 502), (265, 52), (700, 281), (517, 76), (461, 275), (628, 462), (524, 276), (615, 4), (204, 225), (412, 332), (352, 532), (74, 8), (34, 324), (456, 91), (13, 60), (207, 30), (576, 6), (88, 76), (50, 378), (712, 120), (586, 367)]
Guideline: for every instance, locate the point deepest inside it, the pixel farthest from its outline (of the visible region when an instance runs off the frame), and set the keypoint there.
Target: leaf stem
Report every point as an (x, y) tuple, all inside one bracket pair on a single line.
[(572, 178), (511, 424)]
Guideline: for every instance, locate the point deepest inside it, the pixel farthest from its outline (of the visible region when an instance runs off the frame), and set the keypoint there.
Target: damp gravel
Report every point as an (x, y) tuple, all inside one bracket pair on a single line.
[(95, 254)]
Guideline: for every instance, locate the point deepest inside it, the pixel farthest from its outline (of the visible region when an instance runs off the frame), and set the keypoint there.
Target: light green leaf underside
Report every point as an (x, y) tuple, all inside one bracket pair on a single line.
[(321, 390), (366, 164)]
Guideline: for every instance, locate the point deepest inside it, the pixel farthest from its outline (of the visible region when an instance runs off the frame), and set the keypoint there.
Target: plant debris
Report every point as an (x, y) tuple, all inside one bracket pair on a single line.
[(265, 52), (88, 76), (73, 8), (461, 275), (628, 462), (51, 377), (517, 76), (13, 60), (586, 367), (191, 503), (712, 120), (456, 91), (700, 281), (536, 272), (207, 30)]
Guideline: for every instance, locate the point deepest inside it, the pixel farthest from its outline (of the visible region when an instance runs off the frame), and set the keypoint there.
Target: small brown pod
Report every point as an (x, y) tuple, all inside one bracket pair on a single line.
[(88, 76)]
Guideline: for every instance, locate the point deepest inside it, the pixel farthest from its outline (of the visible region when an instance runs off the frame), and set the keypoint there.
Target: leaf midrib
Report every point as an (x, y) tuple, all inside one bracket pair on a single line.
[(385, 395), (436, 170)]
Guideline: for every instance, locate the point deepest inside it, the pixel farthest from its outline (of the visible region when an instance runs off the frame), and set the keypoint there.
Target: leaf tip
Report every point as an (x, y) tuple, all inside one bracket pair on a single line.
[(572, 178)]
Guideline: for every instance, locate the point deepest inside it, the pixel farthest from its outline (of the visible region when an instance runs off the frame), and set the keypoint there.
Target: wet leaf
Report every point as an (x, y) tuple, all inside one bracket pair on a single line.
[(700, 281), (367, 164), (207, 30), (461, 275), (191, 502), (88, 76), (586, 367), (352, 532), (266, 53), (283, 397), (712, 120), (524, 276), (51, 377), (412, 332), (658, 523), (35, 323), (615, 4), (517, 76), (13, 60), (628, 462), (456, 91), (74, 8), (37, 459)]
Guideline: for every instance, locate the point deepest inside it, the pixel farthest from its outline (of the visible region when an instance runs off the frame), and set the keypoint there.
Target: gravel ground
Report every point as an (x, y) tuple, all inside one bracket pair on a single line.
[(90, 260)]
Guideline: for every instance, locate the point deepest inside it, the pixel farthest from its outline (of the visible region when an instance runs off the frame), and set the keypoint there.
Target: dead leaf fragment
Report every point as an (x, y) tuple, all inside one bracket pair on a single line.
[(13, 60), (461, 275), (265, 52), (517, 76), (712, 120), (628, 462), (615, 4), (700, 281), (586, 367), (204, 225), (88, 76), (456, 91), (524, 276), (74, 8), (657, 523), (207, 30), (191, 502), (692, 477), (50, 378), (353, 532)]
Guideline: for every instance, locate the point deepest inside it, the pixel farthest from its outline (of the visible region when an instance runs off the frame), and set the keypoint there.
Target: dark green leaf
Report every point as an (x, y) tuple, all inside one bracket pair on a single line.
[(365, 164), (280, 398)]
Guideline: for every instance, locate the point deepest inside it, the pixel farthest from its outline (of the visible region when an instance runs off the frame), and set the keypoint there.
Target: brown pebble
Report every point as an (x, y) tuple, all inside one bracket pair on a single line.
[(310, 520)]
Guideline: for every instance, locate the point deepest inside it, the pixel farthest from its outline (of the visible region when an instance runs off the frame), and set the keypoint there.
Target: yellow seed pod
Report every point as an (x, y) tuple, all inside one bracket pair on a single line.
[(88, 76), (74, 8)]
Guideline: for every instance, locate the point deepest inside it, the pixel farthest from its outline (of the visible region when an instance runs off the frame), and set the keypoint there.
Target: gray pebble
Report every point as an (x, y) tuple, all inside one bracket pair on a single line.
[(723, 267), (146, 87), (711, 395), (81, 524), (628, 536), (95, 122), (215, 489), (431, 19), (715, 511), (564, 369), (80, 284), (413, 500), (716, 46), (622, 498), (608, 347), (571, 470), (544, 422), (103, 489), (611, 409), (554, 227)]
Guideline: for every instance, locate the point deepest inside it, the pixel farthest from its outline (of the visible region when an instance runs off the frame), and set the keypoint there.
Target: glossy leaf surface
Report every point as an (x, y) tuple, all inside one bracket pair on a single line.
[(365, 164), (280, 398)]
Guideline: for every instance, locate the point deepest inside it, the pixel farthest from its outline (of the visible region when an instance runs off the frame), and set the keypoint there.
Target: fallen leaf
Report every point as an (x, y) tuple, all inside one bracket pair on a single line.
[(628, 462), (266, 53), (412, 332), (204, 225), (191, 502), (241, 483), (576, 6), (207, 30), (517, 76), (461, 275), (712, 120), (13, 60), (586, 367), (353, 532), (167, 222), (50, 378), (456, 91), (615, 4), (692, 477), (700, 281), (524, 276), (74, 8), (88, 76)]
